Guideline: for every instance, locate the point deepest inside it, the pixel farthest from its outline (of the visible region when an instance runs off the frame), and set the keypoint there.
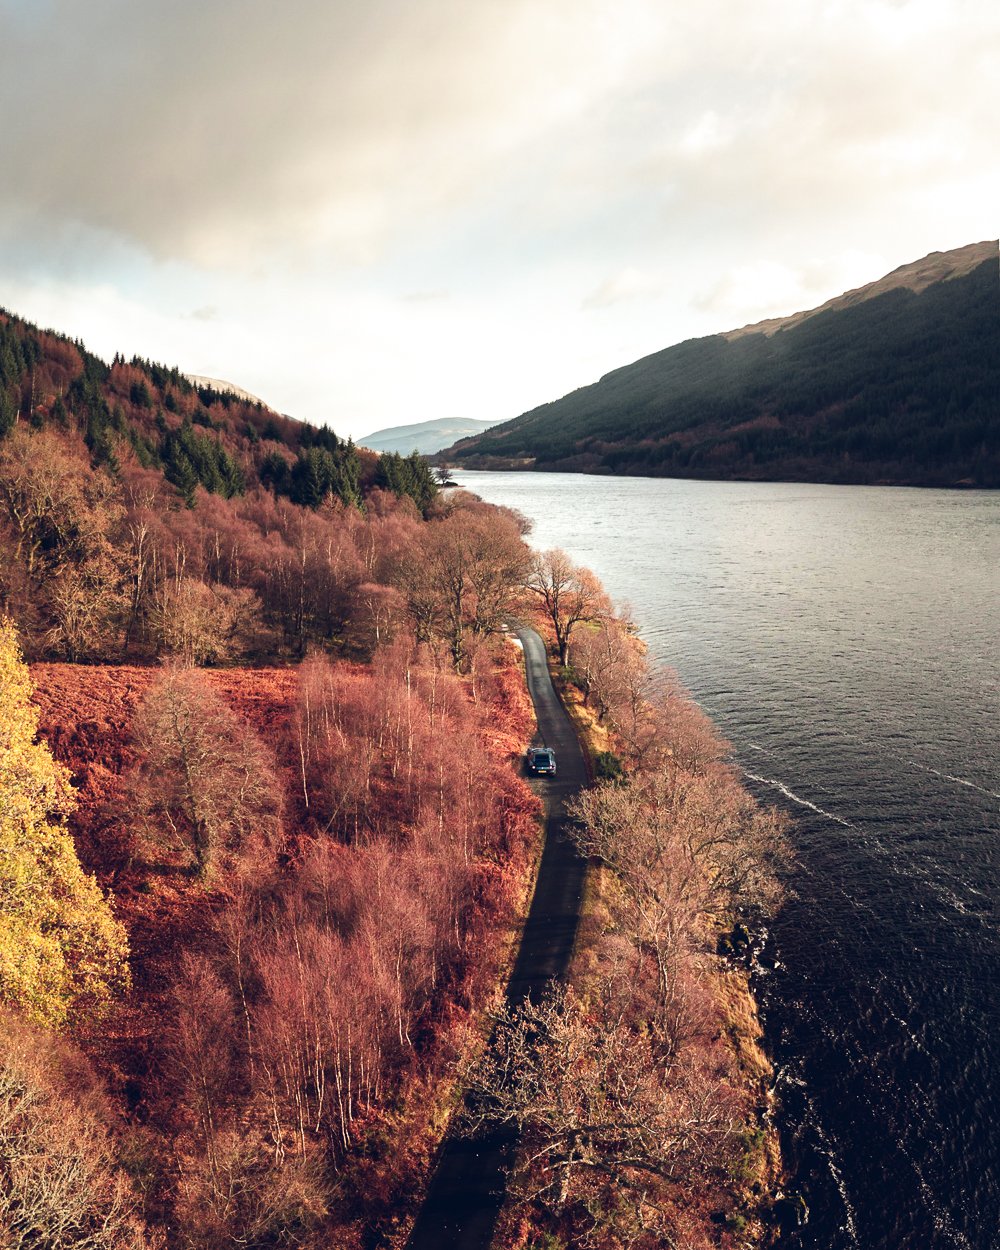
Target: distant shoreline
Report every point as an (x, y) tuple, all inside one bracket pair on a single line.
[(515, 467)]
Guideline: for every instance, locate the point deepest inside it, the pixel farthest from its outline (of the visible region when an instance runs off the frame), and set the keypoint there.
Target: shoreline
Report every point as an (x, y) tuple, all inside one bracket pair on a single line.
[(515, 467)]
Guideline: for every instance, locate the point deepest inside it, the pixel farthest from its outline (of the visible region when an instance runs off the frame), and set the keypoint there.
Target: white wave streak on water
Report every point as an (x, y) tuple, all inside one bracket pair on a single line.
[(851, 736), (940, 1215), (783, 789), (832, 1156), (961, 781), (908, 1030)]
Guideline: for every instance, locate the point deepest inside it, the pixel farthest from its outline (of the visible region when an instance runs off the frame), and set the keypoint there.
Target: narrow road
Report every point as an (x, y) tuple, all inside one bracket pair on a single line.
[(467, 1189)]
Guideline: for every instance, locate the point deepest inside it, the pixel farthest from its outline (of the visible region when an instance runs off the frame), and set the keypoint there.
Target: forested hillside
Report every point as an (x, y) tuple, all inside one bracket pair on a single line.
[(896, 383), (194, 435), (141, 515)]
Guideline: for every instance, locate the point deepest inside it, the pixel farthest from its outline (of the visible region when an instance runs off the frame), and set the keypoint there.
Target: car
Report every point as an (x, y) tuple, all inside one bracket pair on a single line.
[(541, 761)]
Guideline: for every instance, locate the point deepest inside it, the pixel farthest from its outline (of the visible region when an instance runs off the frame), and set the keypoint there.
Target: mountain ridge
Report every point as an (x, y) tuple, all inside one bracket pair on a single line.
[(915, 276)]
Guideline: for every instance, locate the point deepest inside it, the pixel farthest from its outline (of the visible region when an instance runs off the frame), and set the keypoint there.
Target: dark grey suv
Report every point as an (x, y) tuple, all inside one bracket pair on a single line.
[(541, 761)]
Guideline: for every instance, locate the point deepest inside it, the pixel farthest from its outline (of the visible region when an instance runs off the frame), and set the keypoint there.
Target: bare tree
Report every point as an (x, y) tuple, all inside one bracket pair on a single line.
[(200, 1049), (205, 785), (569, 595), (680, 734), (464, 577), (201, 623), (597, 1109), (610, 665), (62, 523), (61, 1182), (681, 846)]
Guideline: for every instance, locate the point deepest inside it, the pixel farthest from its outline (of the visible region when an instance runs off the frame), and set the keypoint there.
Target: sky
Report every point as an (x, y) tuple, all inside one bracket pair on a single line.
[(372, 214)]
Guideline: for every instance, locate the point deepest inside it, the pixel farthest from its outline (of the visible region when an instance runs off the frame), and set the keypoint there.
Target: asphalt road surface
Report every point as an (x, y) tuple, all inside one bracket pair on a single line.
[(467, 1189)]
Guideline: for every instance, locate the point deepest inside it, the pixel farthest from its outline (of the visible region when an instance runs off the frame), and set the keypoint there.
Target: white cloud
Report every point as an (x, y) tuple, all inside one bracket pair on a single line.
[(763, 288), (629, 284), (767, 288), (709, 135), (384, 212)]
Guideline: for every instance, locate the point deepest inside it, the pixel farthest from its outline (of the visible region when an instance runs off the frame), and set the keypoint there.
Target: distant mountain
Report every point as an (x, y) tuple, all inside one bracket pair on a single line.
[(895, 382), (427, 437), (224, 388)]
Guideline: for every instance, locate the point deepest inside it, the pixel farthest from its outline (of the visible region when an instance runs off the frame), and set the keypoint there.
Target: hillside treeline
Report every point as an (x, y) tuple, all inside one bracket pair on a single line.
[(101, 564), (901, 388), (141, 515), (196, 436)]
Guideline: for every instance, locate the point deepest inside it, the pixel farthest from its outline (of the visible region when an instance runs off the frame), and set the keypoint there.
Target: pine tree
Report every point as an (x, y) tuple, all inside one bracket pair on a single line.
[(310, 481), (8, 412), (60, 947)]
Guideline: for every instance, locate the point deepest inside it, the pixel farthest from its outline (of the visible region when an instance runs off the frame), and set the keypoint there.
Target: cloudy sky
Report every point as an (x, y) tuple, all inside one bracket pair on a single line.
[(376, 213)]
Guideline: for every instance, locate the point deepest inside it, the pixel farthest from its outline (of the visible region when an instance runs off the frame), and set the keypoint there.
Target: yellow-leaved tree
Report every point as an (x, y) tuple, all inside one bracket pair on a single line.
[(61, 948)]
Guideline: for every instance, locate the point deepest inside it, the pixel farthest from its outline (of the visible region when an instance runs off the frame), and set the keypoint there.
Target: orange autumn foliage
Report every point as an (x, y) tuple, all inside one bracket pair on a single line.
[(335, 977)]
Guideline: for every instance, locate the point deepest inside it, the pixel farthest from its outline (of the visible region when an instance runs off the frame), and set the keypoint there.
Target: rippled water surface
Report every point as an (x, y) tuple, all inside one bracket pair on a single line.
[(846, 641)]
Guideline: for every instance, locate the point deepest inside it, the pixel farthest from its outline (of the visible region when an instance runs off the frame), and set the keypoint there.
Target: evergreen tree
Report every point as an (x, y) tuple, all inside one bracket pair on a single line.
[(409, 476), (11, 359), (8, 412), (274, 472), (180, 472), (139, 395), (59, 413), (310, 479), (190, 458), (319, 473)]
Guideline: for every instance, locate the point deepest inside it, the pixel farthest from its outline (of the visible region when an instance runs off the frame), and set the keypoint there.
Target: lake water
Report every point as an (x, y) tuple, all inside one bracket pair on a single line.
[(846, 641)]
